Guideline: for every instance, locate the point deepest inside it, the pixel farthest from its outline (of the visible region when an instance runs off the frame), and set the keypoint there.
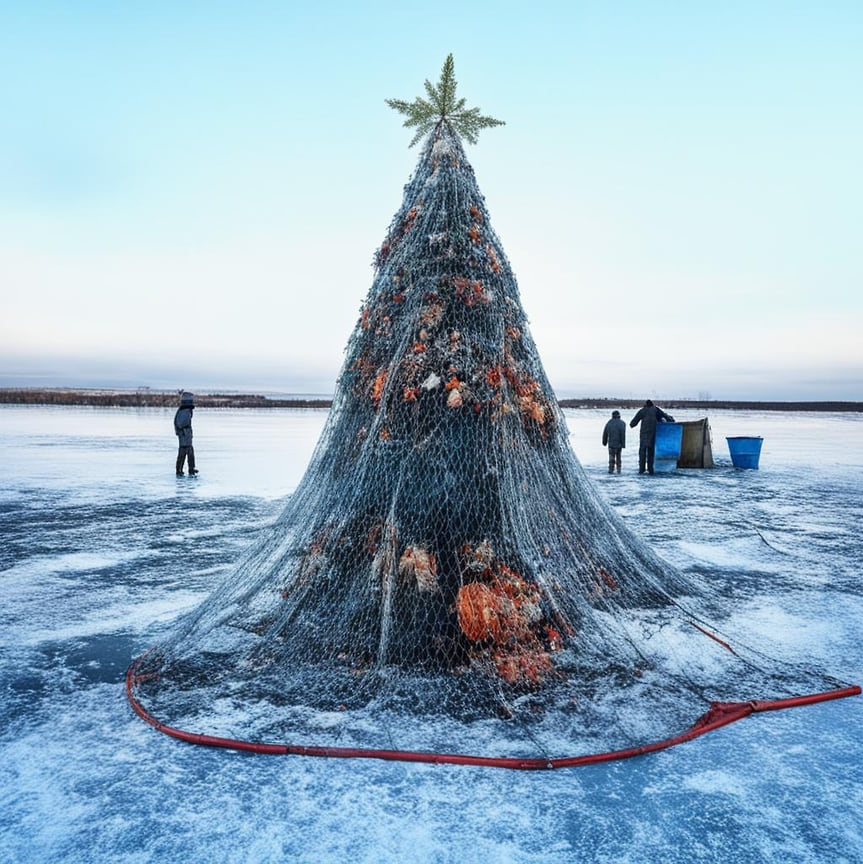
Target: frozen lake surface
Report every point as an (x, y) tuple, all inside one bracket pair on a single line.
[(101, 548)]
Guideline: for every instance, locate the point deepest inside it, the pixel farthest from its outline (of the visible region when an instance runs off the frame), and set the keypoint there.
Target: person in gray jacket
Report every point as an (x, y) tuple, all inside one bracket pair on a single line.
[(614, 435), (183, 430), (648, 416)]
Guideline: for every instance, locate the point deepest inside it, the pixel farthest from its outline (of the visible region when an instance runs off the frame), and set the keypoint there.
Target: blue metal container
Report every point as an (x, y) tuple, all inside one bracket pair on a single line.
[(745, 451), (669, 437)]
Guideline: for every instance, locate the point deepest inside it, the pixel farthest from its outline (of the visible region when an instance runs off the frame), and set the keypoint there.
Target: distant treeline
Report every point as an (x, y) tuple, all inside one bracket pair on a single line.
[(144, 397), (708, 405)]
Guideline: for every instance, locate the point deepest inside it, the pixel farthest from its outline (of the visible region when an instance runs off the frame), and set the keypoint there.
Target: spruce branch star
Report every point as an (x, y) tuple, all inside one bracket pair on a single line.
[(442, 107)]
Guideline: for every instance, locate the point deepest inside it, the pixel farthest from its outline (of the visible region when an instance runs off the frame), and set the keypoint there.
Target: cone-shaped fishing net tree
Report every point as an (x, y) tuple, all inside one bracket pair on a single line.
[(445, 579)]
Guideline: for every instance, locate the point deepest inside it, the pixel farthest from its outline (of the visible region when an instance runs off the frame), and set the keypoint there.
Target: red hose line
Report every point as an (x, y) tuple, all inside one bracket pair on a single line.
[(720, 714), (796, 701)]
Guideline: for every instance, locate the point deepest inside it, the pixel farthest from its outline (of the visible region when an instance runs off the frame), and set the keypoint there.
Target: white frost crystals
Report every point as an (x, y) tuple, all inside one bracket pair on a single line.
[(431, 383), (441, 147)]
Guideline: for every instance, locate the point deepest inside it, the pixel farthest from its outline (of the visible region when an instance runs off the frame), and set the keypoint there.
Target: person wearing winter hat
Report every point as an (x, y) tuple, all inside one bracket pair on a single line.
[(648, 416), (614, 435), (183, 430)]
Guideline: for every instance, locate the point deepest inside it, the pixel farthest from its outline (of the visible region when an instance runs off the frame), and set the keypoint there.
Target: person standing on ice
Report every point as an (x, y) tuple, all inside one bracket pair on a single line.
[(648, 416), (614, 435), (183, 431)]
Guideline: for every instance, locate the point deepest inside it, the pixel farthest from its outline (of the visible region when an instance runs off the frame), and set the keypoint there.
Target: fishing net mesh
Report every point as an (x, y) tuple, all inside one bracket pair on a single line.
[(445, 577)]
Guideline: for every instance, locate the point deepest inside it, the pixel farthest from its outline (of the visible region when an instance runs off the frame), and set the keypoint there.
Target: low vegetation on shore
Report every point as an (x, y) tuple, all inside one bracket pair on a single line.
[(145, 397)]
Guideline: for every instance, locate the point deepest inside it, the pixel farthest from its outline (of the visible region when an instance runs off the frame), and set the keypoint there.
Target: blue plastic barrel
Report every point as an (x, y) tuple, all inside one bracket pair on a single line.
[(669, 437), (745, 450)]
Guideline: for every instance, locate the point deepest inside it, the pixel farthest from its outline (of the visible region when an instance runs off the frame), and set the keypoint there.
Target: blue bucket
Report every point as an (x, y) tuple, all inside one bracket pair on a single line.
[(669, 437), (744, 450)]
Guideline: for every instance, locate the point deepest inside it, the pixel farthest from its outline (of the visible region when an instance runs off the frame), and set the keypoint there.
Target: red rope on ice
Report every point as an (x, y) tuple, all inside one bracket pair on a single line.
[(714, 637), (720, 714)]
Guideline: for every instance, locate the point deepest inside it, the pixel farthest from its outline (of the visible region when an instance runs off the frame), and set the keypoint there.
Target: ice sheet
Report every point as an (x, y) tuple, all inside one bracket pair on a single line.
[(101, 547)]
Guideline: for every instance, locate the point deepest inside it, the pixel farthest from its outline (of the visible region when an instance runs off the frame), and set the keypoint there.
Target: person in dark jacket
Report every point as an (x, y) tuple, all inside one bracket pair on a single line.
[(183, 430), (614, 435), (648, 416)]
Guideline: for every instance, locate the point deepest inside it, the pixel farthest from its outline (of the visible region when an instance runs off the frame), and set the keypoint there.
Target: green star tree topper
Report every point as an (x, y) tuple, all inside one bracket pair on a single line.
[(442, 107)]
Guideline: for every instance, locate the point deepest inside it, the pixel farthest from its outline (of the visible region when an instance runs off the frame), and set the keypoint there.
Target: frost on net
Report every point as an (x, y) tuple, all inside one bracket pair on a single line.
[(445, 578)]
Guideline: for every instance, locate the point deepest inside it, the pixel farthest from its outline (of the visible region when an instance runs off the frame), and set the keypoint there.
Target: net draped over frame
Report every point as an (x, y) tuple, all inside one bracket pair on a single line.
[(445, 577)]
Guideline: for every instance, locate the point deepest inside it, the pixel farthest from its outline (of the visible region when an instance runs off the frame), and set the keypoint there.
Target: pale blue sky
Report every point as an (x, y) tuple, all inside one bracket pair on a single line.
[(191, 193)]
